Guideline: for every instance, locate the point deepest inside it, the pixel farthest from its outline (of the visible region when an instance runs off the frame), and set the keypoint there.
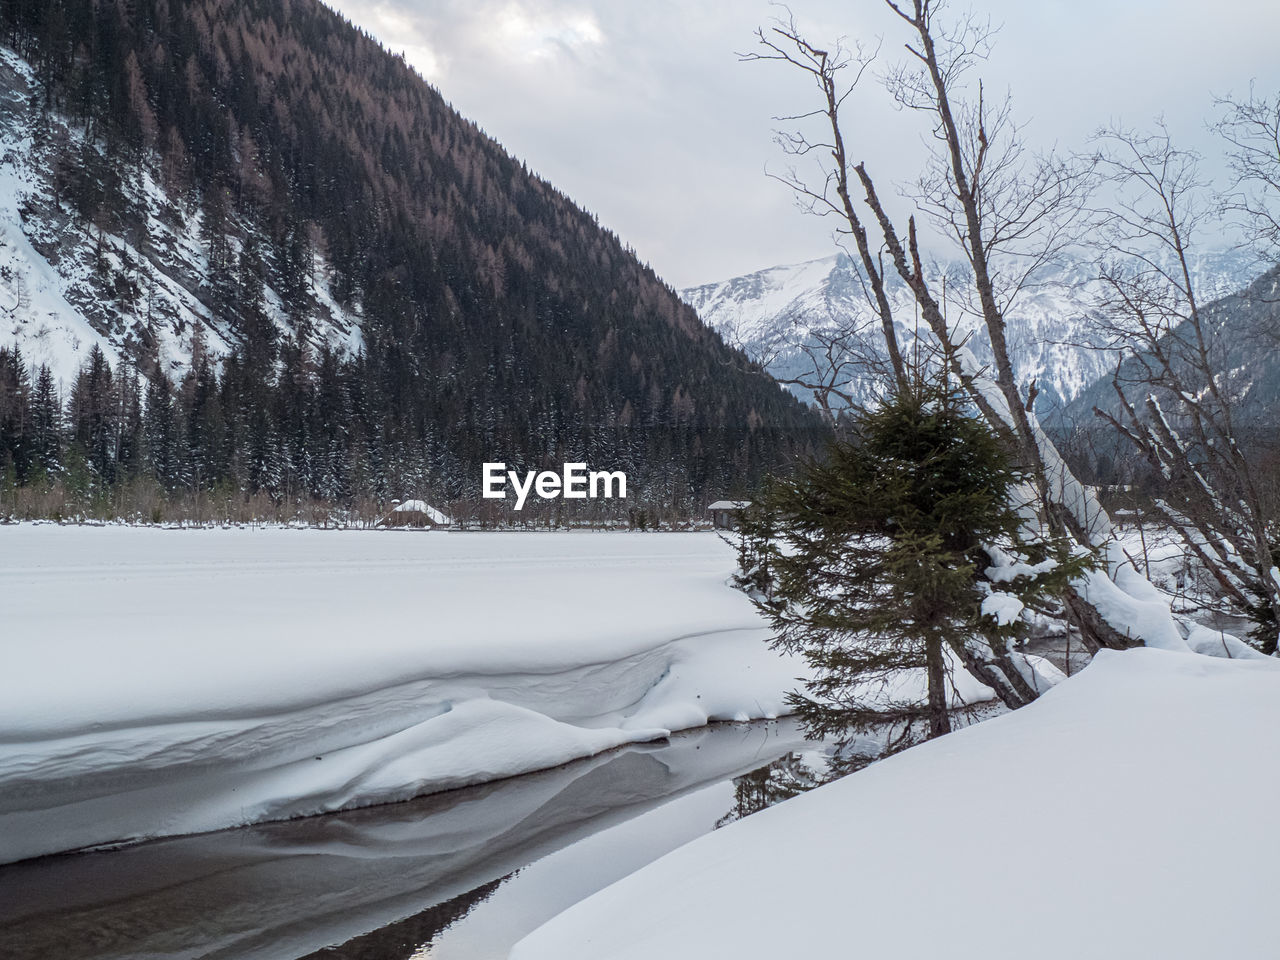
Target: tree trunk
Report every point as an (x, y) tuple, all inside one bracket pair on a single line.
[(939, 718), (997, 671)]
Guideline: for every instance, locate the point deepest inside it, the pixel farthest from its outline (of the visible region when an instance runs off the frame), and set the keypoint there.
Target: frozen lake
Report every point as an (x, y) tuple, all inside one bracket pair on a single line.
[(164, 685), (168, 682), (199, 600)]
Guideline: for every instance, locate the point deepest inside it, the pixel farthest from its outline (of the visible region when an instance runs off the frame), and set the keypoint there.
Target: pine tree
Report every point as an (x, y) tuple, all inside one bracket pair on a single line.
[(161, 431), (873, 563), (16, 440), (46, 419), (130, 442), (257, 332), (93, 416)]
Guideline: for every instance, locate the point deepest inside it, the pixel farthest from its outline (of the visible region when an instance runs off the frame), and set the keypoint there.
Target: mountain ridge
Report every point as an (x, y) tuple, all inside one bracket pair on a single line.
[(772, 313), (256, 187)]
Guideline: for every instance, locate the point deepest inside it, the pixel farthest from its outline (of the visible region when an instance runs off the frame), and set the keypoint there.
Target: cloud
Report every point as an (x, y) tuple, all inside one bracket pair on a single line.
[(541, 32), (644, 115), (441, 39), (400, 30)]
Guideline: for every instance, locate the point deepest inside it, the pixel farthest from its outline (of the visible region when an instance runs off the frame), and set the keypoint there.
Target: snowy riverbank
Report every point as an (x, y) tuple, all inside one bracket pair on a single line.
[(168, 682), (1125, 814), (470, 871)]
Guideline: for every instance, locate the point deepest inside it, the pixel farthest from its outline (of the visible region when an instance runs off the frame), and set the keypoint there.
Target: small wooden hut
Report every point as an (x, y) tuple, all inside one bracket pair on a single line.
[(725, 513)]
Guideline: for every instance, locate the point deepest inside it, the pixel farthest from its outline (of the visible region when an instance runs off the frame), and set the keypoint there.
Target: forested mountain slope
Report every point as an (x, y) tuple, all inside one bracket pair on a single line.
[(305, 273), (1241, 342)]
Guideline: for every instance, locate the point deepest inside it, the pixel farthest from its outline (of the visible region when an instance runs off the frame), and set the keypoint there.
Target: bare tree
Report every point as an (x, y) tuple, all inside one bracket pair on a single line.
[(1179, 397), (1010, 212), (835, 359), (835, 363), (831, 196), (1251, 129)]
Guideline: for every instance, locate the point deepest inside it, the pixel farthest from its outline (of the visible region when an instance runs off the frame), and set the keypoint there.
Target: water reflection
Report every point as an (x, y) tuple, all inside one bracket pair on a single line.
[(412, 937), (781, 780), (438, 871)]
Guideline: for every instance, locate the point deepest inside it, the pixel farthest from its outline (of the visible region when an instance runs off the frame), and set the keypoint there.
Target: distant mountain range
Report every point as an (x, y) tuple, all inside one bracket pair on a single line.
[(772, 314)]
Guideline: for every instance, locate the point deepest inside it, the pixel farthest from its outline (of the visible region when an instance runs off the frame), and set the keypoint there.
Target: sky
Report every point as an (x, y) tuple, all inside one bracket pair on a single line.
[(643, 112)]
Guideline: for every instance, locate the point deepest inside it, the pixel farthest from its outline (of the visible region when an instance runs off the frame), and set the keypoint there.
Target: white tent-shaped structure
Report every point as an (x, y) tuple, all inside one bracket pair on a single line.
[(415, 513)]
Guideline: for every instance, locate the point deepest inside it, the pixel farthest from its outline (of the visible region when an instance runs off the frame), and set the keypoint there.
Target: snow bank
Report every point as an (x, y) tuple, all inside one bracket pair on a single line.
[(284, 890), (1219, 643), (167, 682), (1125, 814)]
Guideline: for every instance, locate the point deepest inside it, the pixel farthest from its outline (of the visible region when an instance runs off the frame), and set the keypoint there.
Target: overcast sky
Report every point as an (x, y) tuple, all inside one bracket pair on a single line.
[(642, 113)]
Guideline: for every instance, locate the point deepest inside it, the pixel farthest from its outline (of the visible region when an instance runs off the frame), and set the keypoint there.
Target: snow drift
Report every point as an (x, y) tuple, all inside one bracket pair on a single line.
[(1124, 814), (164, 682)]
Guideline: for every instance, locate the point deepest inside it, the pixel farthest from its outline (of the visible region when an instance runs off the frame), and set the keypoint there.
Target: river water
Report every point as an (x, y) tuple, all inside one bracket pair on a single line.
[(455, 876)]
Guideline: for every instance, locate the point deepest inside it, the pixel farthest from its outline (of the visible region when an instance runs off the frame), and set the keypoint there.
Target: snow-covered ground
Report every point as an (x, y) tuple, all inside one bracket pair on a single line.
[(161, 682), (1127, 813)]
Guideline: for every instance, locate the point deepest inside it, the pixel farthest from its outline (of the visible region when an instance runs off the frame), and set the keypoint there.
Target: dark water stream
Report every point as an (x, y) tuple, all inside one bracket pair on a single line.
[(456, 876)]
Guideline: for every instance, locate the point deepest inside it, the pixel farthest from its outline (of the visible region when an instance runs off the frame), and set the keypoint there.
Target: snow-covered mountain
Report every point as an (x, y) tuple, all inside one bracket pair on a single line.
[(139, 294), (259, 252), (1243, 348), (773, 315)]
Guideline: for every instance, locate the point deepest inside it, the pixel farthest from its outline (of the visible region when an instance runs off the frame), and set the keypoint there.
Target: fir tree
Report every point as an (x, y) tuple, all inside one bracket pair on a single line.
[(93, 418), (16, 439), (873, 563), (161, 432), (46, 417)]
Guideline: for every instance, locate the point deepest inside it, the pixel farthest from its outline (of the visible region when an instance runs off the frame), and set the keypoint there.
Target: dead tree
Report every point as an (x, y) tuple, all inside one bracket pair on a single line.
[(837, 364), (832, 195), (1178, 397), (1251, 130)]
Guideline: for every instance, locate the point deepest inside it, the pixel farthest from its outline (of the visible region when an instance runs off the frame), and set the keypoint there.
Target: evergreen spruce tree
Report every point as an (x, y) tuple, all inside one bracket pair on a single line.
[(130, 441), (94, 417), (161, 433), (257, 332), (873, 563), (17, 443), (46, 416)]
